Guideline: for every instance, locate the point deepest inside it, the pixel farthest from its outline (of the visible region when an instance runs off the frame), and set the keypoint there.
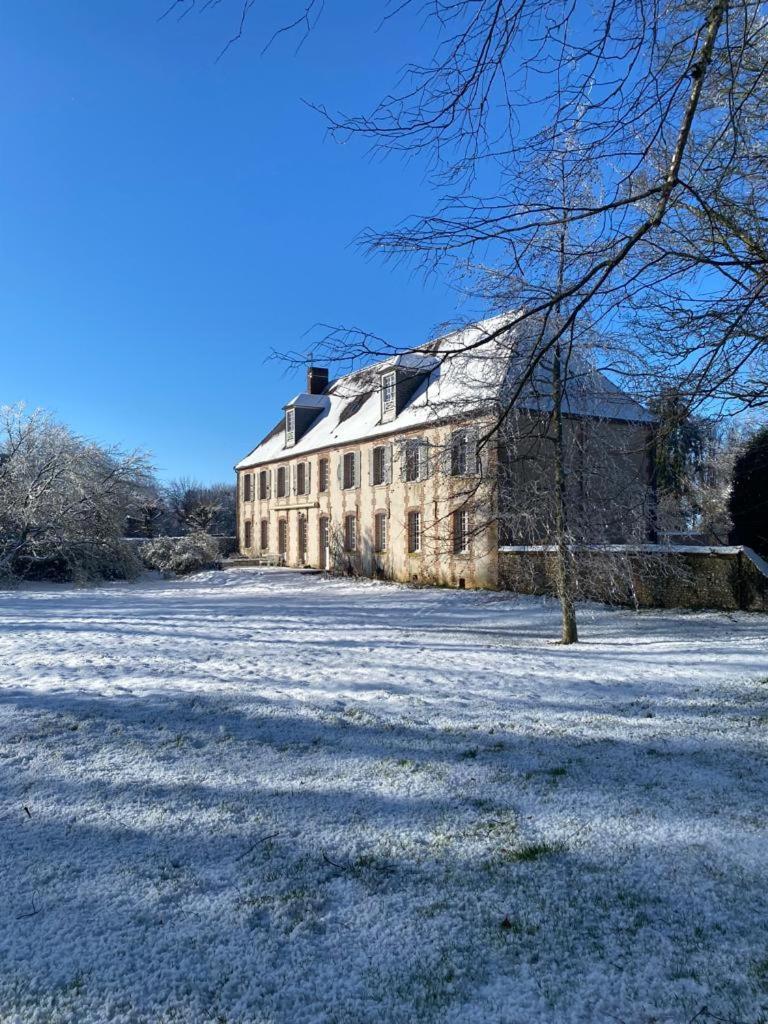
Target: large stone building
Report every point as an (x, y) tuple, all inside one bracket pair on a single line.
[(396, 470)]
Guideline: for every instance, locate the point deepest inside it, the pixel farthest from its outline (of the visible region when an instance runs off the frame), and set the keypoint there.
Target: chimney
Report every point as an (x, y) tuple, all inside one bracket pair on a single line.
[(317, 379)]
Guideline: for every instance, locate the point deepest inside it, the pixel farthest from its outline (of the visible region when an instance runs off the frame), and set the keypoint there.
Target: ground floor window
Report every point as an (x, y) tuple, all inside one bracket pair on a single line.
[(414, 532), (460, 531), (380, 531), (248, 533), (282, 537), (264, 538), (350, 533)]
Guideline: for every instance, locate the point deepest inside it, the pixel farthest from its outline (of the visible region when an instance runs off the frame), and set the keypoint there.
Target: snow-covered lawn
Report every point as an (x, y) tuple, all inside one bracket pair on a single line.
[(267, 798)]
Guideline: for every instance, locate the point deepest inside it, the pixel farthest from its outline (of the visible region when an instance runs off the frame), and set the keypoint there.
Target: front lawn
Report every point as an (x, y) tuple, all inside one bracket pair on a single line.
[(266, 798)]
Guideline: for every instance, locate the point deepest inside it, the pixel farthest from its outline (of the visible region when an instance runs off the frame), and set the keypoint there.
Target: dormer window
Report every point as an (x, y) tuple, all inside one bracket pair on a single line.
[(388, 392), (401, 379), (301, 414)]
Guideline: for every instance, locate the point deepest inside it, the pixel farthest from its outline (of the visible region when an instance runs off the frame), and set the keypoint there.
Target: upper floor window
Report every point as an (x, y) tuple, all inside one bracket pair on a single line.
[(350, 473), (460, 531), (416, 461), (290, 426), (462, 455), (388, 392), (263, 484), (282, 488), (379, 465), (459, 453), (414, 532), (323, 474), (301, 478), (248, 487), (350, 533), (380, 531)]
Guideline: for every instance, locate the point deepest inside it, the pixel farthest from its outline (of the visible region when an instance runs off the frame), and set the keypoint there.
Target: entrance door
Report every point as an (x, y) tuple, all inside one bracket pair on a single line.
[(323, 542)]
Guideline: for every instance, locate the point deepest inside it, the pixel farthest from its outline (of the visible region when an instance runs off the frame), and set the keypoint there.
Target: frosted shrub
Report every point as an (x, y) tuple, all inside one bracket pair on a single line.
[(181, 555), (64, 501)]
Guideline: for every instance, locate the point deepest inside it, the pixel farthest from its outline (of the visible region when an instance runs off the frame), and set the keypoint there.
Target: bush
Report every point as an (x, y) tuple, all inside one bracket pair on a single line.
[(749, 496), (181, 555), (63, 502)]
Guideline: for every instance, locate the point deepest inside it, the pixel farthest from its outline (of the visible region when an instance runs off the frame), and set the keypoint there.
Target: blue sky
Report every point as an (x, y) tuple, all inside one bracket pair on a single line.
[(166, 220)]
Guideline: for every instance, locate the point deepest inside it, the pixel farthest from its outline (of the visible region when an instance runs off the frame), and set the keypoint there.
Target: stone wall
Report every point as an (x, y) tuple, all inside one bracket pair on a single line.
[(650, 576)]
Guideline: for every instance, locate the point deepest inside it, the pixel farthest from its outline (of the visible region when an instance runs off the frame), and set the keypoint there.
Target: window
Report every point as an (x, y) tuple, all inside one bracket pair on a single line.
[(350, 533), (301, 478), (414, 532), (459, 452), (282, 537), (322, 484), (460, 531), (290, 426), (349, 470), (281, 482), (264, 538), (379, 467), (380, 531), (302, 539), (248, 487), (388, 392), (248, 533), (263, 485), (415, 460)]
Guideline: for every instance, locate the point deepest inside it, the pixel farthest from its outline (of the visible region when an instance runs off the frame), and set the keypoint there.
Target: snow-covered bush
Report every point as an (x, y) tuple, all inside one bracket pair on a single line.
[(181, 555), (63, 501)]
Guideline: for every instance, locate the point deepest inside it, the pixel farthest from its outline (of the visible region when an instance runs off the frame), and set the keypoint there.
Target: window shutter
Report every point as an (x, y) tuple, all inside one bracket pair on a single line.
[(269, 483), (358, 468), (425, 460), (403, 456), (340, 471), (473, 456), (388, 464), (309, 478), (370, 465), (446, 456)]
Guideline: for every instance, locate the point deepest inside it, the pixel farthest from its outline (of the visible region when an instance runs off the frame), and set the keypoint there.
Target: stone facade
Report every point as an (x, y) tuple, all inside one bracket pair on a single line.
[(374, 550)]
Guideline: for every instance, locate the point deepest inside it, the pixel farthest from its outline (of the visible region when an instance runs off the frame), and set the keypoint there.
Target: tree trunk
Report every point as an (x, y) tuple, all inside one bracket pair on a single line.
[(565, 574)]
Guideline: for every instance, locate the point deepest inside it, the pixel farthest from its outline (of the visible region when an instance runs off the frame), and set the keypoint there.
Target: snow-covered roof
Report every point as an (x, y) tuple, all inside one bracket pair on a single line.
[(465, 373), (306, 401)]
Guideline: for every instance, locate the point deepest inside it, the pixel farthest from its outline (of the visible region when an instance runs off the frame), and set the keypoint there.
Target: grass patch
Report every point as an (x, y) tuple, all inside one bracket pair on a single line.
[(532, 851)]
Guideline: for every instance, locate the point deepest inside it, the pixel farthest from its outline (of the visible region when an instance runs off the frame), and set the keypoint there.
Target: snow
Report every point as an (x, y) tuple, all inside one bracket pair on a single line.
[(258, 796)]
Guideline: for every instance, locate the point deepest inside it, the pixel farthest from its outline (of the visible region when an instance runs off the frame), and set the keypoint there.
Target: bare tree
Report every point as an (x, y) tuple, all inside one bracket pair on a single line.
[(661, 107), (602, 171), (201, 508)]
